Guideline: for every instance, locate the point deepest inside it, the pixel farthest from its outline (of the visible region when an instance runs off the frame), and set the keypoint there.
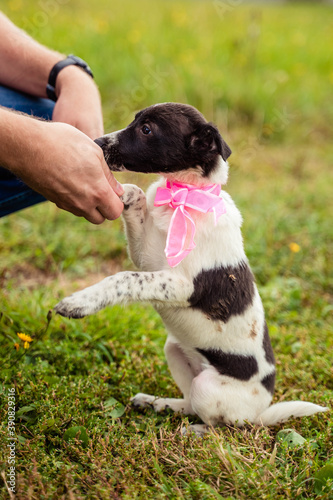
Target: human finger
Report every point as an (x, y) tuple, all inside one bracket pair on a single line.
[(113, 182), (111, 208), (95, 217)]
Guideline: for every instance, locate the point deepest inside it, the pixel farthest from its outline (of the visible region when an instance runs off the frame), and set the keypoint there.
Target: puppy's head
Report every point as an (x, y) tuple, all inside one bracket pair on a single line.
[(171, 139)]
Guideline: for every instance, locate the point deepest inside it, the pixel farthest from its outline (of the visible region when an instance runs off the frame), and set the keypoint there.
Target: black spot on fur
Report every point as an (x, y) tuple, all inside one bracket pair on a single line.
[(223, 292), (233, 365), (267, 346), (269, 382)]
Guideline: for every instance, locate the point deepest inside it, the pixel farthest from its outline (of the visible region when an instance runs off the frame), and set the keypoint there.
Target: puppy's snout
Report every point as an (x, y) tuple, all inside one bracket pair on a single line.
[(110, 147), (101, 142)]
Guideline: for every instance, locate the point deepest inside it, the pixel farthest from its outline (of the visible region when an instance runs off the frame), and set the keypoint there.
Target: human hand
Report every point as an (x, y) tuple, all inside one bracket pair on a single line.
[(61, 163), (79, 102), (74, 175)]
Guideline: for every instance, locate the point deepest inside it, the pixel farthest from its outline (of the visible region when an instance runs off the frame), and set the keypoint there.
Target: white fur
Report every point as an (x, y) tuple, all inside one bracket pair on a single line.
[(280, 412), (214, 397)]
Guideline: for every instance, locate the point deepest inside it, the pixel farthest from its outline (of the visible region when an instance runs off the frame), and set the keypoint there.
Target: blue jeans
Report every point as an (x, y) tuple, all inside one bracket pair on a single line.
[(14, 194)]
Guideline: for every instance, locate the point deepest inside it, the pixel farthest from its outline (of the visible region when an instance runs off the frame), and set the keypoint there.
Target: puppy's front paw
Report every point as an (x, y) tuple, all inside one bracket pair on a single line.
[(133, 195), (76, 306)]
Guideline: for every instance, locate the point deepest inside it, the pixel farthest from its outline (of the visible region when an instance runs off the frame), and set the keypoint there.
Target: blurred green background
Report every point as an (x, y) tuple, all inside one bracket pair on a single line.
[(262, 73)]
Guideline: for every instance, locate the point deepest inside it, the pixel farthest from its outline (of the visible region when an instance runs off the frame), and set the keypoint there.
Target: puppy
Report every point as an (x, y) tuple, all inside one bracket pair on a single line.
[(185, 238)]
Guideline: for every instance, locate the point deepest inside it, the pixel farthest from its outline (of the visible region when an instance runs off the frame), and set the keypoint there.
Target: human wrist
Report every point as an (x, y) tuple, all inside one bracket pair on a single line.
[(58, 75), (71, 77)]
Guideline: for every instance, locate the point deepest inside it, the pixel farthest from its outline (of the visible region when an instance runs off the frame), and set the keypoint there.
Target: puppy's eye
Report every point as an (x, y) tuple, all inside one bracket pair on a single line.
[(145, 129)]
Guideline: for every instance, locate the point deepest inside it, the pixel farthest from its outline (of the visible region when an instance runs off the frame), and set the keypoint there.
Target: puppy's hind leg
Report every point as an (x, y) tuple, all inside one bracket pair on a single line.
[(183, 375), (180, 367), (219, 399)]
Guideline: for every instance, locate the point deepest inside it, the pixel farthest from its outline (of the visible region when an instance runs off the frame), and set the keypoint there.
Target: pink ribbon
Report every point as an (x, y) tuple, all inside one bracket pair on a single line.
[(180, 197)]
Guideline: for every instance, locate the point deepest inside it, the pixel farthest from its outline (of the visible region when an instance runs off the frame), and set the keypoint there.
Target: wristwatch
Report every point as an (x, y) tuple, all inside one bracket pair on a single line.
[(71, 59)]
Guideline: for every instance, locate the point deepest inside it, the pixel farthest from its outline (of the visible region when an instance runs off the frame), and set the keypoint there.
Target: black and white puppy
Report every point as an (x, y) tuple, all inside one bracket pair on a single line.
[(218, 349)]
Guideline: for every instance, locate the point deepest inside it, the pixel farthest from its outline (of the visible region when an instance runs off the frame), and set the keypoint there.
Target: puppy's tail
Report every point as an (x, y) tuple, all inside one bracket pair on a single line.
[(280, 412)]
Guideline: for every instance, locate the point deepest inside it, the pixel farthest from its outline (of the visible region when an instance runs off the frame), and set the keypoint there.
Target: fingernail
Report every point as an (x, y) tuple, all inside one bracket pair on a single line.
[(119, 189)]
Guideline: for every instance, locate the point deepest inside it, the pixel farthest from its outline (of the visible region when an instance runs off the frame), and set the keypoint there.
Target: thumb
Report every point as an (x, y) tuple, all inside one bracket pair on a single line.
[(115, 185)]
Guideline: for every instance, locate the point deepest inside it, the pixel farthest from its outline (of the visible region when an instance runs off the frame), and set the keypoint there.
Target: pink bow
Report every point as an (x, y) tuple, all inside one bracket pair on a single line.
[(180, 197)]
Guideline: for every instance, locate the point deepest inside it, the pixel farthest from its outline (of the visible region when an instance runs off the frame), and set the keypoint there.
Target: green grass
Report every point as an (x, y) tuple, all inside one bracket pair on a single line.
[(264, 75)]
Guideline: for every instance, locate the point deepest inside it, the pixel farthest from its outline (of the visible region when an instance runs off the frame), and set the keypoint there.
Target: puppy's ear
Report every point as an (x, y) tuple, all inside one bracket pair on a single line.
[(207, 139)]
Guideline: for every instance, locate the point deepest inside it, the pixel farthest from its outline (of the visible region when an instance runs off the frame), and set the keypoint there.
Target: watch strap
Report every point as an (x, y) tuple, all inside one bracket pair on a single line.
[(69, 60)]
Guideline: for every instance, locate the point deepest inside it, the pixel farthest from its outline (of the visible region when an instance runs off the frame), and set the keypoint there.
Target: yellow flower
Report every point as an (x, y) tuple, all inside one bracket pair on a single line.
[(15, 5), (17, 346), (187, 57), (102, 26), (26, 345), (24, 337), (294, 247), (134, 36), (179, 17)]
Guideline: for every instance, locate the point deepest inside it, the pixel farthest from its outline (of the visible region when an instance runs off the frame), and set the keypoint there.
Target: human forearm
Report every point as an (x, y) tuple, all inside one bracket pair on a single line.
[(18, 133), (25, 65)]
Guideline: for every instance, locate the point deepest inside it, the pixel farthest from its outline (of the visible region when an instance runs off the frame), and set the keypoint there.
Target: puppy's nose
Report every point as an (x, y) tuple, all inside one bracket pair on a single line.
[(101, 142)]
